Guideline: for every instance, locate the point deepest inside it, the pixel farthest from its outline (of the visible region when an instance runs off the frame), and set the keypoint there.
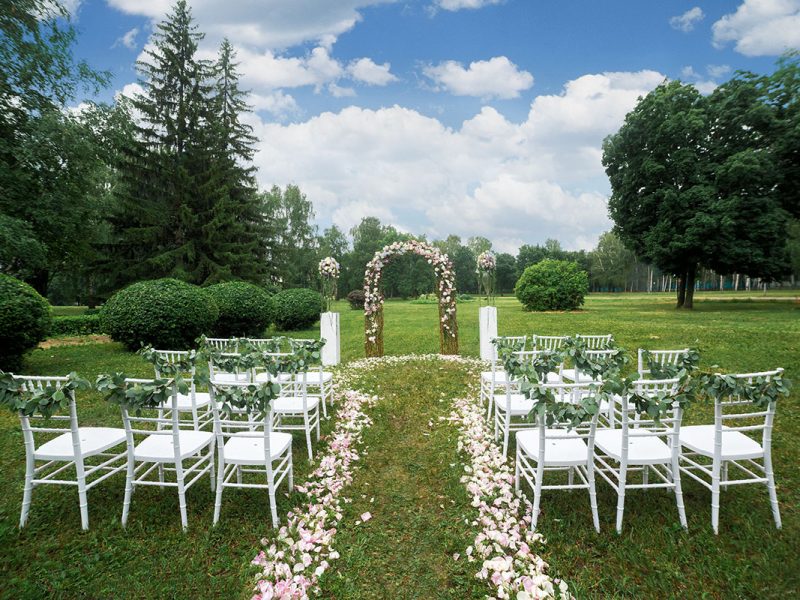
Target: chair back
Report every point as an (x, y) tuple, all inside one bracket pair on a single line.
[(215, 373), (224, 344), (662, 357), (642, 425), (30, 427), (528, 357), (151, 420), (596, 342), (572, 393), (581, 377), (739, 414), (517, 342), (173, 357), (551, 343), (239, 423), (265, 344)]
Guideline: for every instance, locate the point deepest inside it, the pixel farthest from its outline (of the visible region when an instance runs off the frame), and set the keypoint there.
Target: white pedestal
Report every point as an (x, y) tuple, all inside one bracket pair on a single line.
[(329, 331), (487, 318)]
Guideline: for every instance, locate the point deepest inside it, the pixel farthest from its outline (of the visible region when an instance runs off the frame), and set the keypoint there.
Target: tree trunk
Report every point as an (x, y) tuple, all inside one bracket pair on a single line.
[(736, 282), (40, 280), (681, 291), (691, 275)]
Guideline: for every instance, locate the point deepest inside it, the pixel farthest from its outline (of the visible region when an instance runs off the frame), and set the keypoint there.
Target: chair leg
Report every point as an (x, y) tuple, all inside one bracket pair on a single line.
[(239, 475), (715, 476), (211, 475), (773, 494), (83, 502), (516, 472), (571, 477), (593, 496), (308, 436), (723, 475), (182, 496), (27, 492), (676, 478), (218, 495), (291, 470), (537, 492), (322, 400), (623, 475), (126, 503)]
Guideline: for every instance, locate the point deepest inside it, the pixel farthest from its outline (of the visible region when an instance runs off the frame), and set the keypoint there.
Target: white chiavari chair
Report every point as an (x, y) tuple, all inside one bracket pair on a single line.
[(247, 447), (84, 448), (198, 404), (496, 377), (295, 410), (642, 445), (164, 446), (558, 449), (709, 451)]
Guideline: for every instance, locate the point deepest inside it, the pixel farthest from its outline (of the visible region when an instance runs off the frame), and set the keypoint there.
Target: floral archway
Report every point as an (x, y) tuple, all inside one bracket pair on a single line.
[(445, 291)]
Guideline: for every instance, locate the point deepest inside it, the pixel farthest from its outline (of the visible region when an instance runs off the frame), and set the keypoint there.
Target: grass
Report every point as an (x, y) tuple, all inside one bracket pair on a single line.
[(406, 550)]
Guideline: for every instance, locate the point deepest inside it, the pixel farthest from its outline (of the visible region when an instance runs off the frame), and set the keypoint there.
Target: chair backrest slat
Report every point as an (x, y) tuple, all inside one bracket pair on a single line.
[(662, 357), (596, 342), (548, 342)]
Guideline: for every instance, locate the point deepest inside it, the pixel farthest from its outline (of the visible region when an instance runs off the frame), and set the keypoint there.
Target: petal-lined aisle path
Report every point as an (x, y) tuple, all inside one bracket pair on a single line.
[(406, 520)]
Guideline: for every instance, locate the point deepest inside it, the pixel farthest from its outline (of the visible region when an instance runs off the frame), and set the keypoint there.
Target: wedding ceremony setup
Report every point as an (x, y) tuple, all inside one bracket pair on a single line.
[(437, 299)]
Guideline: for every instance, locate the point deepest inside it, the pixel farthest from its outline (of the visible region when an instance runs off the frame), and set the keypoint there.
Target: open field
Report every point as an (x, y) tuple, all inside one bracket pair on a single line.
[(405, 551)]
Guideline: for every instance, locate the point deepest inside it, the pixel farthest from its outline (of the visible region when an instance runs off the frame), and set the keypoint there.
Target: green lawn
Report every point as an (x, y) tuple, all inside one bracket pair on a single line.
[(419, 506)]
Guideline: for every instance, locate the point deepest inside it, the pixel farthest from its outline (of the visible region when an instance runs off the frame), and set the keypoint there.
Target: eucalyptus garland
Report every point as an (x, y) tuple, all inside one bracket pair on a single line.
[(47, 400), (607, 369), (138, 396), (167, 367), (253, 398)]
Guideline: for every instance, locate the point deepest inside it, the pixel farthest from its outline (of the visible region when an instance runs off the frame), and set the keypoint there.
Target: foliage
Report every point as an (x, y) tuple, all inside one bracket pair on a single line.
[(697, 181), (506, 272), (166, 313), (294, 255), (46, 400), (24, 321), (611, 262), (356, 299), (186, 204), (297, 308), (138, 396), (76, 325), (552, 285), (245, 309)]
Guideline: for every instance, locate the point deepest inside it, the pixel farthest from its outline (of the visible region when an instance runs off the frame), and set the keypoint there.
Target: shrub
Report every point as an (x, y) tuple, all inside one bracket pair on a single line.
[(245, 310), (356, 299), (24, 321), (552, 285), (297, 308), (87, 324), (166, 313)]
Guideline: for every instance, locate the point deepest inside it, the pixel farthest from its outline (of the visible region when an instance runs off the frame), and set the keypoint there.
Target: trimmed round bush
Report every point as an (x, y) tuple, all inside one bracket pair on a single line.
[(24, 321), (297, 308), (357, 299), (552, 285), (245, 310), (167, 313)]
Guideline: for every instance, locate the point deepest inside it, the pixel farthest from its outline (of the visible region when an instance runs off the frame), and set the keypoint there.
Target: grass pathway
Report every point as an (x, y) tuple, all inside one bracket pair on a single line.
[(409, 483)]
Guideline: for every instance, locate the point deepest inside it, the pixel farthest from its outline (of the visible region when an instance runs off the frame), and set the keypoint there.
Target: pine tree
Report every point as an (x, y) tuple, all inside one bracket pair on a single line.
[(188, 200)]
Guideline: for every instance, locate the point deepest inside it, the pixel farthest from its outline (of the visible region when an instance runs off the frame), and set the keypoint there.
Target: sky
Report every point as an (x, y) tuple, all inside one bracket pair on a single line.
[(466, 117)]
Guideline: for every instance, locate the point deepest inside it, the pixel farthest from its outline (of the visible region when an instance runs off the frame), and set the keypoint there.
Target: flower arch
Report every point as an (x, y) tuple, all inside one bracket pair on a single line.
[(445, 291)]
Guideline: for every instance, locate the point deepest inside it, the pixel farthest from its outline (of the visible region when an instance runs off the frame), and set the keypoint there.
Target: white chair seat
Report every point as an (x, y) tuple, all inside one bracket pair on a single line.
[(558, 452), (520, 405), (231, 377), (242, 450), (292, 405), (642, 450), (202, 399), (158, 448), (94, 440), (735, 444)]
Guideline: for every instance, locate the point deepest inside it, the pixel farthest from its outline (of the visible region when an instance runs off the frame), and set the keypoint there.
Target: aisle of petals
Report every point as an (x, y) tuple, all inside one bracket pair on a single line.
[(292, 563), (504, 546)]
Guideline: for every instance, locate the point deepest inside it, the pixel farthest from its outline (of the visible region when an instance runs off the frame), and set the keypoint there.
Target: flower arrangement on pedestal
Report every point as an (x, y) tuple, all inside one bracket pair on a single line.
[(487, 270), (446, 292), (329, 275)]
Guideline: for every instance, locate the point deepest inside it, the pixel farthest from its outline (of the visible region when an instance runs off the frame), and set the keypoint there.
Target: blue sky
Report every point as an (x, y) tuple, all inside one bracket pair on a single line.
[(473, 117)]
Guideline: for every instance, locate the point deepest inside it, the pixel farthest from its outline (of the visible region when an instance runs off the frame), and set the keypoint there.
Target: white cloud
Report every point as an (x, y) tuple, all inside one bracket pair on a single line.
[(274, 24), (367, 71), (278, 104), (687, 20), (269, 71), (760, 27), (513, 182), (128, 40), (497, 77), (454, 5), (338, 91)]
